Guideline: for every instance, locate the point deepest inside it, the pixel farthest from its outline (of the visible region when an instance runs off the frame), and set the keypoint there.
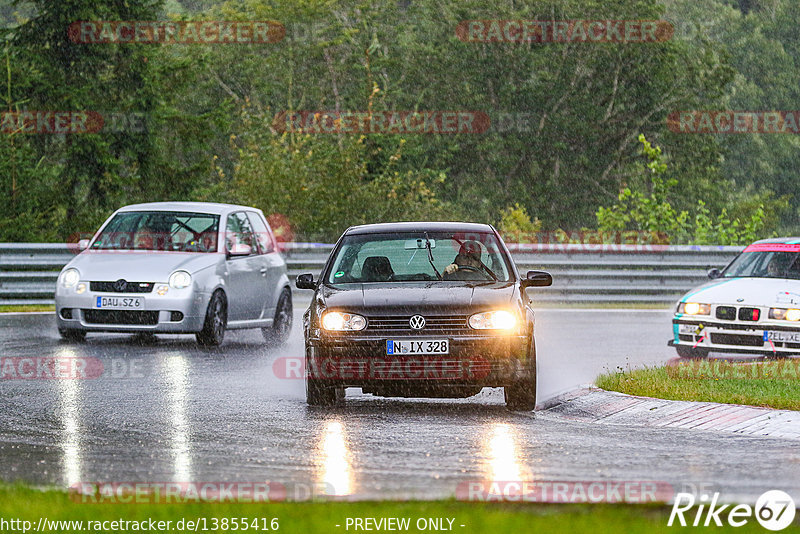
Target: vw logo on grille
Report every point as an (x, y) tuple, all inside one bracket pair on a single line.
[(120, 285), (417, 322)]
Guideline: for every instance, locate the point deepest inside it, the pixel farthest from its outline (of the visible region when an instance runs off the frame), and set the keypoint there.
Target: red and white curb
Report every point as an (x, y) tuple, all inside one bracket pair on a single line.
[(594, 405)]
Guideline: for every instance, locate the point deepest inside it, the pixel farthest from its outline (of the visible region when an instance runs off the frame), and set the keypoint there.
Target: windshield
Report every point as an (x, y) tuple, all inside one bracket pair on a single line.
[(406, 257), (765, 264), (170, 231)]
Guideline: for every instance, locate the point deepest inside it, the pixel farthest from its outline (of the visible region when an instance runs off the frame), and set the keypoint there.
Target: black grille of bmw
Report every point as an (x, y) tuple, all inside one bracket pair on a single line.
[(737, 339), (127, 287), (434, 323)]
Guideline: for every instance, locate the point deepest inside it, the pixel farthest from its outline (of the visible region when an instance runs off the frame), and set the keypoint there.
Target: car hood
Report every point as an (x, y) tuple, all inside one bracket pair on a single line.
[(139, 266), (751, 291), (418, 297)]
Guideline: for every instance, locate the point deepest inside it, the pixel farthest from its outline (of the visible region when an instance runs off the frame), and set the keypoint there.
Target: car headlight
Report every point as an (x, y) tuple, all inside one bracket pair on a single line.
[(180, 279), (694, 308), (70, 277), (493, 320), (337, 321), (782, 314)]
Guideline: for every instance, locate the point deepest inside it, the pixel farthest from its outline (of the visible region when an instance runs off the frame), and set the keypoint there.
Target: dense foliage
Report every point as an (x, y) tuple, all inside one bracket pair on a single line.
[(562, 152)]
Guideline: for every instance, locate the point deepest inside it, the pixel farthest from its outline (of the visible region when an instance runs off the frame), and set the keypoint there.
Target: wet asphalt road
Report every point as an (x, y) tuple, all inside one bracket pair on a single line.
[(166, 410)]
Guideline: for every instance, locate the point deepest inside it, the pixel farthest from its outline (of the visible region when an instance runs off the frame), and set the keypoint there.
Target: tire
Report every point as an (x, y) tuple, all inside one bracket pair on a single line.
[(71, 334), (318, 394), (521, 395), (689, 352), (282, 322), (213, 332)]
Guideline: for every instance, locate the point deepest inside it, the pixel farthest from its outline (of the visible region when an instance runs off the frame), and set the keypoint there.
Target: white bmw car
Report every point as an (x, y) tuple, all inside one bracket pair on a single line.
[(177, 267), (751, 306)]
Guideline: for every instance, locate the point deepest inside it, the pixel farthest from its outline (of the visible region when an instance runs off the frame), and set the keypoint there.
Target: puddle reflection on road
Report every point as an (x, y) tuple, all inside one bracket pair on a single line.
[(504, 460), (69, 392), (335, 471), (176, 374)]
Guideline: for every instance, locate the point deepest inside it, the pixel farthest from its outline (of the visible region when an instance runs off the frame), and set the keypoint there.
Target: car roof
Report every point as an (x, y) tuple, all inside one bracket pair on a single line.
[(781, 240), (419, 226), (200, 207)]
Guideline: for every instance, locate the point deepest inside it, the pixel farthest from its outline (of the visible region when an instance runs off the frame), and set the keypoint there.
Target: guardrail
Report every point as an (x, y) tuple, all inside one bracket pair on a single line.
[(581, 273)]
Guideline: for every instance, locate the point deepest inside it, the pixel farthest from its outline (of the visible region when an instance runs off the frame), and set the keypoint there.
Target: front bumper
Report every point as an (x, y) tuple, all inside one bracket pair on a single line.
[(179, 311), (763, 337), (473, 360)]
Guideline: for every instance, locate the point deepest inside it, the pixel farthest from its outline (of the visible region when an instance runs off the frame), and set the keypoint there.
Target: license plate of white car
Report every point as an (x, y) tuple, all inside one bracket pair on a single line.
[(776, 336), (119, 303), (688, 328), (414, 346)]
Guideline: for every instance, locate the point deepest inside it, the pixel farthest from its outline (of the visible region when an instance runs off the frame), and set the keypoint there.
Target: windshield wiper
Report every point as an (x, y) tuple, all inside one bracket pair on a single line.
[(430, 256)]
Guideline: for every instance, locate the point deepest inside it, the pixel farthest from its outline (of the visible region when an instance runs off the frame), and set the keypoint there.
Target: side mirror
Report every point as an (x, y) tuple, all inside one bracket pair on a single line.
[(714, 273), (305, 281), (537, 279), (83, 244), (239, 249)]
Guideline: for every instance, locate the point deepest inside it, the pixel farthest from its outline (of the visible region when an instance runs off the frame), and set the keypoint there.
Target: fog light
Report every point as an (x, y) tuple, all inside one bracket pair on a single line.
[(81, 288), (66, 313), (175, 317), (162, 290)]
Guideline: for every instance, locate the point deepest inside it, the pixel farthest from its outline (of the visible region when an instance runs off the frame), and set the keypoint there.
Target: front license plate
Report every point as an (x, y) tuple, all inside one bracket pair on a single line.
[(688, 329), (776, 336), (414, 346), (119, 303)]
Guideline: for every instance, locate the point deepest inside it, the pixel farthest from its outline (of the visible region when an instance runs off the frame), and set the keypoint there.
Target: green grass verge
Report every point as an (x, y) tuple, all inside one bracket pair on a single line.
[(27, 308), (658, 382), (21, 502)]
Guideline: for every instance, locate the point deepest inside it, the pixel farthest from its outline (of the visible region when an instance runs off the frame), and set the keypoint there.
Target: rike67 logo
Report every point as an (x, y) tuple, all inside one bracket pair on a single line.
[(774, 510)]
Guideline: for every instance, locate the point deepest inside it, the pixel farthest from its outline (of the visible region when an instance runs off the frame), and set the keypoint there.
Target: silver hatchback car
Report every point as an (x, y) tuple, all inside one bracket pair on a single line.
[(177, 267)]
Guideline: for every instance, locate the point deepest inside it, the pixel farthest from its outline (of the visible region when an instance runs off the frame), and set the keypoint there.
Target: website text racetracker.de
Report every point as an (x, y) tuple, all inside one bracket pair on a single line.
[(195, 524)]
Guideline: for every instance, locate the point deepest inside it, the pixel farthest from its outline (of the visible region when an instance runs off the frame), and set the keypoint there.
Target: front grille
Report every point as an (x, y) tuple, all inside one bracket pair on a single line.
[(437, 323), (749, 314), (127, 287), (737, 339), (727, 313), (120, 317), (686, 337)]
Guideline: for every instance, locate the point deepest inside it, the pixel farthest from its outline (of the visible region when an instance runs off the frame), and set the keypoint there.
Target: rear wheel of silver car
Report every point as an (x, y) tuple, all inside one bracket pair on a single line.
[(691, 352), (521, 395), (213, 331), (282, 322), (71, 334)]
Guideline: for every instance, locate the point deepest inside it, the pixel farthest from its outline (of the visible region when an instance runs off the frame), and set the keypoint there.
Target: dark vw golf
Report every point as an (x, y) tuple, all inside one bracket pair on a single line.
[(421, 310)]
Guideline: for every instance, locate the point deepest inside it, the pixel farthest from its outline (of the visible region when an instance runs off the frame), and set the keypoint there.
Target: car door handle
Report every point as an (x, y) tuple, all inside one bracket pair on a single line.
[(263, 271)]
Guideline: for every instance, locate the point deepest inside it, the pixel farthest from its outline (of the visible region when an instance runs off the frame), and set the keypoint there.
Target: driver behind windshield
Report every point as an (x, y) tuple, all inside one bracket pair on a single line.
[(777, 266), (467, 264)]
